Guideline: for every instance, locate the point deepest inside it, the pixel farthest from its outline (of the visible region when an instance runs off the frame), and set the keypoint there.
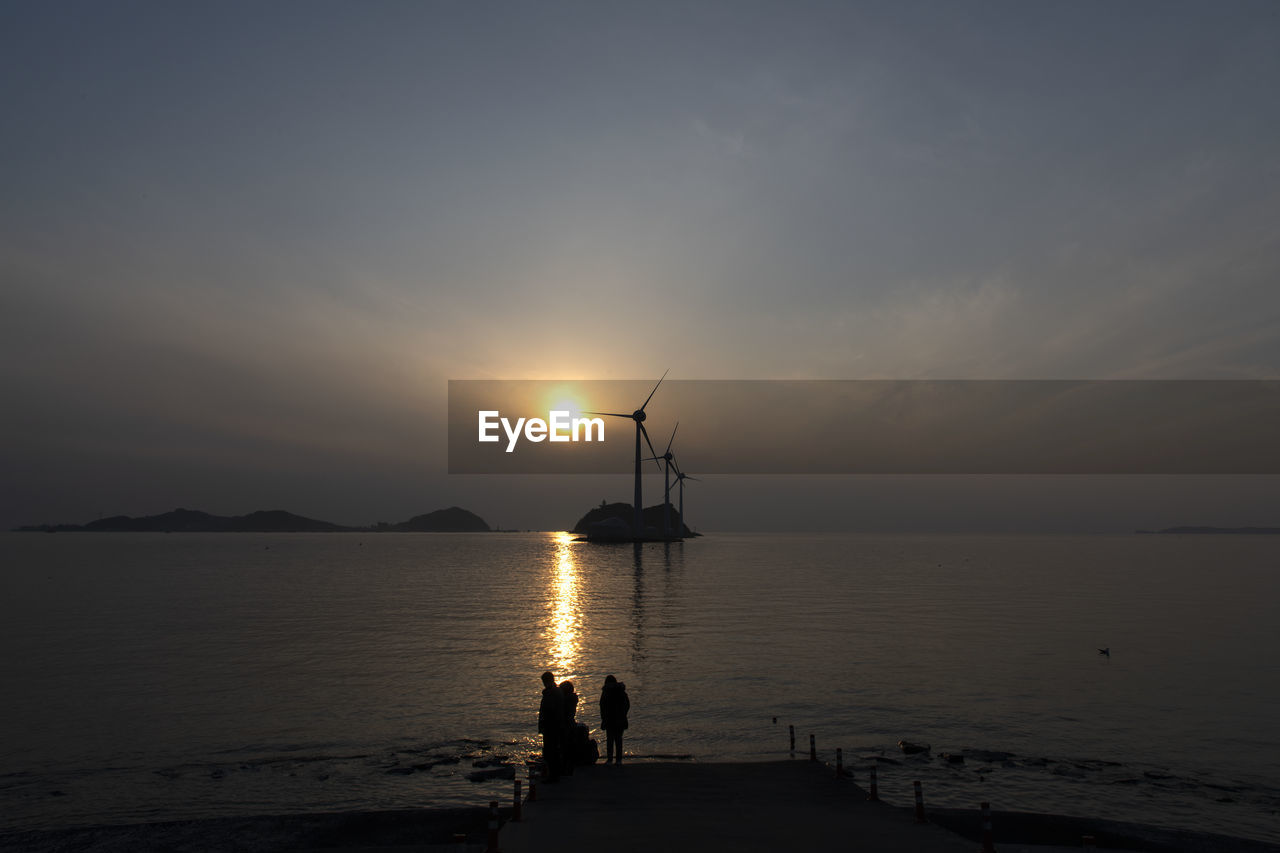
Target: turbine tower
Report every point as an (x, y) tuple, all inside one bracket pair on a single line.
[(638, 416), (666, 460), (680, 478)]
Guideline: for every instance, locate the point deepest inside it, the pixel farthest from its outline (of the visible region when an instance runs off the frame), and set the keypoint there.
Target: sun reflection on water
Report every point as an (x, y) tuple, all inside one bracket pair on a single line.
[(566, 609)]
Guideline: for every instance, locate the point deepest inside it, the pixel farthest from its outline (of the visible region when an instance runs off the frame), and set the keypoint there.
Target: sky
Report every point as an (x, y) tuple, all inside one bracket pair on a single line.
[(244, 246)]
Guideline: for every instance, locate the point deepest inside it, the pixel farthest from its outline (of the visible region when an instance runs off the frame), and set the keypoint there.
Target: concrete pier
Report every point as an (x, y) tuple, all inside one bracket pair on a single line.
[(764, 806)]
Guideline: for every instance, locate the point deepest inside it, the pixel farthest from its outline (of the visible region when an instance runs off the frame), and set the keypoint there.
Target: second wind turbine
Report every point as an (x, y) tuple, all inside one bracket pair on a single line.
[(638, 416)]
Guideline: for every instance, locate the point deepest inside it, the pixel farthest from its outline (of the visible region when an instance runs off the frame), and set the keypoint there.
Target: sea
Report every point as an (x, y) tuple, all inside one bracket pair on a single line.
[(159, 677)]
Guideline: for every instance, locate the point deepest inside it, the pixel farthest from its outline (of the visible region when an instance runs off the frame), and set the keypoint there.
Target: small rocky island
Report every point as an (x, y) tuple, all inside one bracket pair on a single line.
[(618, 518), (451, 520), (455, 519)]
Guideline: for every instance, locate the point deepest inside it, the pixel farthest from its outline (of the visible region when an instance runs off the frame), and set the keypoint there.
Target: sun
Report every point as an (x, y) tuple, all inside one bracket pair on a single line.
[(565, 398)]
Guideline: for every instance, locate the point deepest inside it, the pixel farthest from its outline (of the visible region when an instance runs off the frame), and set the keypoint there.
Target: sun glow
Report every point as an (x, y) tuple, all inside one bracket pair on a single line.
[(566, 608), (565, 398)]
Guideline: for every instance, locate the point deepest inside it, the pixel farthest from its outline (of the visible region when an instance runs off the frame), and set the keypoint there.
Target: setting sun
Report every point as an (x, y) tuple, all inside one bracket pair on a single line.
[(565, 398)]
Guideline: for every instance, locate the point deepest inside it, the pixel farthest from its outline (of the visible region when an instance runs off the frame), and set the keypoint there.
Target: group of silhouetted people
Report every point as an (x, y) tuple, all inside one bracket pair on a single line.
[(565, 741)]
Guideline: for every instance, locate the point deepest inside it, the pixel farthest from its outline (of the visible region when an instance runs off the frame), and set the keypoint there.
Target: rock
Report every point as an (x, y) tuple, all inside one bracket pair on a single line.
[(492, 773)]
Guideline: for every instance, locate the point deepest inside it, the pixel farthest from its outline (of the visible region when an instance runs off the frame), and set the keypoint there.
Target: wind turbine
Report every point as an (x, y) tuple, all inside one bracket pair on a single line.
[(670, 462), (638, 416), (680, 478), (666, 460)]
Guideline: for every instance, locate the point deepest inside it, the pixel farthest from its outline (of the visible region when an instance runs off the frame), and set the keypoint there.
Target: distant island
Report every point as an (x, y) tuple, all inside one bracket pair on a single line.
[(1251, 531), (623, 513), (451, 520)]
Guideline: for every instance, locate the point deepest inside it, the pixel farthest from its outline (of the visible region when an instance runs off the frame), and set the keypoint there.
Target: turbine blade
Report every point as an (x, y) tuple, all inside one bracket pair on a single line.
[(609, 414), (673, 438), (655, 389), (650, 443)]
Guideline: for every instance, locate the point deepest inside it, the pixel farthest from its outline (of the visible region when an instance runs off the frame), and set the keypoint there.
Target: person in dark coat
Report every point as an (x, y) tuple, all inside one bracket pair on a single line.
[(552, 725), (569, 756), (570, 702), (614, 706)]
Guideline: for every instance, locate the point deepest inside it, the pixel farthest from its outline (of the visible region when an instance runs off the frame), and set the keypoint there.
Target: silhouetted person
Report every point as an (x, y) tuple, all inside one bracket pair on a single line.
[(570, 702), (614, 706), (551, 723), (570, 757)]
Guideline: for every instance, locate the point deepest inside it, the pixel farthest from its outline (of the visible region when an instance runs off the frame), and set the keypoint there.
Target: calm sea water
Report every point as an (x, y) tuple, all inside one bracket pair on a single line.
[(159, 677)]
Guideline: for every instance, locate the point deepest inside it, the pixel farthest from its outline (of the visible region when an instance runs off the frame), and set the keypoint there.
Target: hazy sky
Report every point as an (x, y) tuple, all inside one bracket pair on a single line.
[(243, 247)]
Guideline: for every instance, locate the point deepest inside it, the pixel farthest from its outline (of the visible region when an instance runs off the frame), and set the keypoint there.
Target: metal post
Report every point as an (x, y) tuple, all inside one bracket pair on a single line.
[(493, 828), (988, 844), (839, 763), (919, 802), (875, 792), (813, 749), (515, 809)]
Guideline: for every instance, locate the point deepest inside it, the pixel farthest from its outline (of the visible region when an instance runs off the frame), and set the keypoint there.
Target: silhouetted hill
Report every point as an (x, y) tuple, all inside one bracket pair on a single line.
[(178, 519), (279, 521), (652, 517), (1232, 530), (451, 520), (193, 521)]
